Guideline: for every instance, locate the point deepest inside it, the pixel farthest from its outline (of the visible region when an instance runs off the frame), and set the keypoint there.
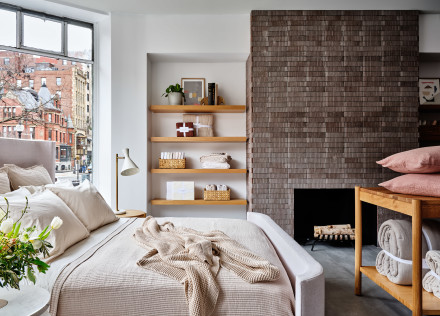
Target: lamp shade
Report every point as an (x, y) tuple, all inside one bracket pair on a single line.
[(129, 168)]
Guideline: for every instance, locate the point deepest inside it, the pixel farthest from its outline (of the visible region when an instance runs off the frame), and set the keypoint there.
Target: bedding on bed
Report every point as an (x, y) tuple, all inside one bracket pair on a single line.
[(106, 280), (194, 259)]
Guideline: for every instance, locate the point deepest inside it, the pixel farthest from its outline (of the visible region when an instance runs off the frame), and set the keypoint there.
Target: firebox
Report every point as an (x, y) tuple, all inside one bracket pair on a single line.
[(320, 207)]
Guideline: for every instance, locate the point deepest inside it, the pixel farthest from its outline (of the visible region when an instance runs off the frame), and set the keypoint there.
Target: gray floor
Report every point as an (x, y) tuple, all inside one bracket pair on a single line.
[(338, 264)]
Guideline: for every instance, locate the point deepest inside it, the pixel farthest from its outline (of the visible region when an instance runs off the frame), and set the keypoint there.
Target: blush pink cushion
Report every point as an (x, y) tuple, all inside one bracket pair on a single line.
[(415, 184), (420, 160)]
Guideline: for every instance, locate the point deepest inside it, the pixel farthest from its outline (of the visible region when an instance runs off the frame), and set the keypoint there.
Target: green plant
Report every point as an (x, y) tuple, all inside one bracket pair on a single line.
[(19, 249), (175, 88)]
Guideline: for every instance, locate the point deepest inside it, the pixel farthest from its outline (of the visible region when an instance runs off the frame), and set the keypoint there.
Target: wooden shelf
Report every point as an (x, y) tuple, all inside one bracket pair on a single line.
[(197, 202), (198, 170), (198, 108), (198, 139), (403, 293), (429, 107)]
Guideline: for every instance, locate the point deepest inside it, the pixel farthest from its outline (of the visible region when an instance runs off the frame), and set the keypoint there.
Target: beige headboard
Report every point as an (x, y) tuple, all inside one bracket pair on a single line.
[(27, 153)]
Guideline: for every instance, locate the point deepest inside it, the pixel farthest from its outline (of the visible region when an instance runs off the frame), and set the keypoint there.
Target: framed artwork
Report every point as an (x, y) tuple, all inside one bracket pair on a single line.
[(194, 90), (429, 91)]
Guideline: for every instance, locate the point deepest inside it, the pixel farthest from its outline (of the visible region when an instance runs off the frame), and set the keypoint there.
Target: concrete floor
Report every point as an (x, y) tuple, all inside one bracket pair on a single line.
[(340, 300)]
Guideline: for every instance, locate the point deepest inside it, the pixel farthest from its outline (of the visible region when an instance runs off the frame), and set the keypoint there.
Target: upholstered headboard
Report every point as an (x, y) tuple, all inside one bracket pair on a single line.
[(27, 153)]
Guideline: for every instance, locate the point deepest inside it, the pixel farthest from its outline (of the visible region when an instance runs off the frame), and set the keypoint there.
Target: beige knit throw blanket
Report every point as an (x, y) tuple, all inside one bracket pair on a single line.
[(194, 258)]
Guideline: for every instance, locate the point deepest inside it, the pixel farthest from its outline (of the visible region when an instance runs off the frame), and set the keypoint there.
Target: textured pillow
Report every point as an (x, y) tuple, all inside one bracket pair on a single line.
[(43, 207), (415, 184), (420, 160), (5, 187), (36, 175), (87, 204)]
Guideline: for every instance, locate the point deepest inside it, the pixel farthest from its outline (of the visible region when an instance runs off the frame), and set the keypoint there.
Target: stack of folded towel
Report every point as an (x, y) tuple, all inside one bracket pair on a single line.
[(431, 281), (216, 161), (395, 259)]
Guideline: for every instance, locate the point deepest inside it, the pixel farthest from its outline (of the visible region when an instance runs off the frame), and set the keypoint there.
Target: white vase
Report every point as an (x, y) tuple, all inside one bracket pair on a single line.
[(175, 98)]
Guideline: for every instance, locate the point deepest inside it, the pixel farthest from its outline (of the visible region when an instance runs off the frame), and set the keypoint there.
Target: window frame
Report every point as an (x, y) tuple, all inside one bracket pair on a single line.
[(20, 47)]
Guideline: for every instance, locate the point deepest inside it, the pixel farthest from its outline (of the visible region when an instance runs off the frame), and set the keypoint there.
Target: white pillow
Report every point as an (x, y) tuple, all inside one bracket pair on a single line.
[(36, 175), (87, 204), (43, 207), (17, 194), (4, 181), (38, 188)]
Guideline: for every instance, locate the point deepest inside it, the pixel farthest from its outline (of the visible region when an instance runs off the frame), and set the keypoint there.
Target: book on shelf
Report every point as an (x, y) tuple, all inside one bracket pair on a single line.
[(216, 95), (211, 93)]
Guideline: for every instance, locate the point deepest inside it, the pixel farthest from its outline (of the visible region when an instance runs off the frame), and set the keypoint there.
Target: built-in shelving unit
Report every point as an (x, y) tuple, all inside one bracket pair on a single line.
[(198, 202), (198, 108), (229, 72), (198, 171), (198, 139)]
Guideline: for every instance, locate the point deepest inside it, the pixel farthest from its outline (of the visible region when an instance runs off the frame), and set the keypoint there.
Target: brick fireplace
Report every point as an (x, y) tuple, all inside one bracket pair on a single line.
[(329, 93)]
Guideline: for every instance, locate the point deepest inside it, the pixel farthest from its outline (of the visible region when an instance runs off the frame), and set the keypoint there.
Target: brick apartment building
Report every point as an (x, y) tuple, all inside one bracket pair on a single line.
[(51, 98)]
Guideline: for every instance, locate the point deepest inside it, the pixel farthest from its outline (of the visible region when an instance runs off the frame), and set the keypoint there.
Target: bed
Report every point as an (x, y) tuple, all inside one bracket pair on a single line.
[(99, 275)]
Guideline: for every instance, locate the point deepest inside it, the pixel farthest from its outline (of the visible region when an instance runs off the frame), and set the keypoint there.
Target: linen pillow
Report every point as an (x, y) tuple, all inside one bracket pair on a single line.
[(38, 188), (17, 194), (36, 175), (415, 184), (43, 207), (420, 160), (87, 204), (4, 181)]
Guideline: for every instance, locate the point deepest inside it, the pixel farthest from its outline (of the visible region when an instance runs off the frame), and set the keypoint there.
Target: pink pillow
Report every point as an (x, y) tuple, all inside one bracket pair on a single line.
[(420, 160), (415, 184)]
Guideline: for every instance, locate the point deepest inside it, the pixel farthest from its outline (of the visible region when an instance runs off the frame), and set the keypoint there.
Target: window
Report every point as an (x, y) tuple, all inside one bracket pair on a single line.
[(45, 48), (57, 153), (18, 83), (37, 31)]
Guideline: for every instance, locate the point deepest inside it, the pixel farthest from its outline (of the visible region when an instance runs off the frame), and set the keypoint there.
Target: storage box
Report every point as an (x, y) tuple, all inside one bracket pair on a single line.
[(172, 163), (202, 123), (180, 190), (185, 129), (216, 195)]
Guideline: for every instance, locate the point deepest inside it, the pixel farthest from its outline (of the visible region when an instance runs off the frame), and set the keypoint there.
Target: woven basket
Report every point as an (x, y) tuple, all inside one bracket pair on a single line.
[(216, 195), (171, 163)]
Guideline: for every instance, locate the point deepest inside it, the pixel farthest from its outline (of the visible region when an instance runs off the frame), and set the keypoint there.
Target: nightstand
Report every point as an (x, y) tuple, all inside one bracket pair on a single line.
[(29, 300), (133, 213)]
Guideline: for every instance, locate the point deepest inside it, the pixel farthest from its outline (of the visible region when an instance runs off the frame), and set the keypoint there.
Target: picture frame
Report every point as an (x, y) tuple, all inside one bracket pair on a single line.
[(194, 90), (429, 93)]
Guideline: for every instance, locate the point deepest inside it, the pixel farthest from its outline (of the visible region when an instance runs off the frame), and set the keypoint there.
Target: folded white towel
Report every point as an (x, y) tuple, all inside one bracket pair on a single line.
[(215, 165), (431, 281)]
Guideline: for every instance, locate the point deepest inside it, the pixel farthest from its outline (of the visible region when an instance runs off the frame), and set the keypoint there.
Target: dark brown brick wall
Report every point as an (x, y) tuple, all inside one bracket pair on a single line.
[(329, 93)]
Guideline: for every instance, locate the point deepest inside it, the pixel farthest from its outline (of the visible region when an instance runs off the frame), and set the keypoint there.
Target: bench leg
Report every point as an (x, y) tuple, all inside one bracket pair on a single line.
[(358, 243), (417, 258)]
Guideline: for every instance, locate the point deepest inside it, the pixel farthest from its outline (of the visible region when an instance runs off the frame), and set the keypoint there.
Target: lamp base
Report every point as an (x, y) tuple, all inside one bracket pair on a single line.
[(120, 212)]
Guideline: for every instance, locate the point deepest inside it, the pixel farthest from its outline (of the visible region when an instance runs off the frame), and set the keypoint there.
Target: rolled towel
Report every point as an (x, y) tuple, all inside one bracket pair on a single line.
[(222, 187), (210, 187), (431, 280), (215, 165), (395, 238)]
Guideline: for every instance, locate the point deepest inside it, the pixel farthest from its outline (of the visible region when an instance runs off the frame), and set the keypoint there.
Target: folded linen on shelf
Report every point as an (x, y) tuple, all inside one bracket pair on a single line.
[(395, 239), (202, 123), (216, 157), (215, 165), (431, 280)]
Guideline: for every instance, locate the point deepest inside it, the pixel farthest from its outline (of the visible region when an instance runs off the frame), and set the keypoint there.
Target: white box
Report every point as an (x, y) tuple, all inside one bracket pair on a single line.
[(180, 190)]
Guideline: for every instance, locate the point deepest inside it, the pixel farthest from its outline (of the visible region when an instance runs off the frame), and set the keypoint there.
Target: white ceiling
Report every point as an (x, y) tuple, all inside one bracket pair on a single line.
[(245, 6)]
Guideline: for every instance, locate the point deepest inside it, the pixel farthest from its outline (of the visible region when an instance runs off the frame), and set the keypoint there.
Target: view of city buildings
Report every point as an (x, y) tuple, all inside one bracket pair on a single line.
[(48, 99)]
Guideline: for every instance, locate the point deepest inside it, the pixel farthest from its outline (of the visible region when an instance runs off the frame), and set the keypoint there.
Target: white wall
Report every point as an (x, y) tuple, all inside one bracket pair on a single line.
[(429, 39), (133, 36)]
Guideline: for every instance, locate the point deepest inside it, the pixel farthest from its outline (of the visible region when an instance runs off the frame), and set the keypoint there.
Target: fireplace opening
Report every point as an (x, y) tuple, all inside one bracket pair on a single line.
[(320, 207)]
